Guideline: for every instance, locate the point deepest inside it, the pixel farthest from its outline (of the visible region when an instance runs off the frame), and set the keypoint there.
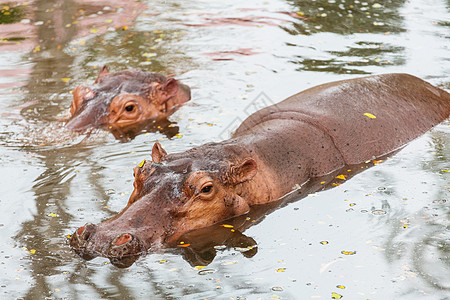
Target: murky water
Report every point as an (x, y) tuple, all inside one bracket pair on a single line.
[(384, 234)]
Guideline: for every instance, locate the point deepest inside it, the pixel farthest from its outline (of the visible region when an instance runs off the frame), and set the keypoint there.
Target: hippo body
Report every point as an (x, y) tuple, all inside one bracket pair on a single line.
[(276, 149), (125, 100)]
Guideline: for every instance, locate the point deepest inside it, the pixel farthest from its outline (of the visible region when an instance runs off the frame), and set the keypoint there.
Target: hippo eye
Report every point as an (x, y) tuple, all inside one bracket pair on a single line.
[(129, 108), (206, 189)]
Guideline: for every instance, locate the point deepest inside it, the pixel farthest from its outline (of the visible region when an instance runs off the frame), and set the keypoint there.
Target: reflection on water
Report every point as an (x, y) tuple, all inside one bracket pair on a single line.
[(348, 17), (55, 181)]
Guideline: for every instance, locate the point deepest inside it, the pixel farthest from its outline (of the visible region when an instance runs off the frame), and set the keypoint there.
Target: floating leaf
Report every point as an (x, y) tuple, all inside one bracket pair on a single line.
[(229, 263), (141, 164), (336, 296), (370, 115)]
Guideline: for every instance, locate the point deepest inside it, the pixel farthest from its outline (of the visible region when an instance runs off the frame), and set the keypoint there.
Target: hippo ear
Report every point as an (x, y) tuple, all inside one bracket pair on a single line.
[(245, 171), (158, 153), (104, 71), (80, 94), (161, 93)]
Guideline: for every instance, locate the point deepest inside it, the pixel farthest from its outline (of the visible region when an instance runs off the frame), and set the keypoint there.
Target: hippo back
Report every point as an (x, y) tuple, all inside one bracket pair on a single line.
[(365, 117)]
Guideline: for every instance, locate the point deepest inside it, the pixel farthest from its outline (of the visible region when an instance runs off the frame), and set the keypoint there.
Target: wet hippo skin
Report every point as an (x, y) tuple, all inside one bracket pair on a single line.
[(308, 135), (125, 99)]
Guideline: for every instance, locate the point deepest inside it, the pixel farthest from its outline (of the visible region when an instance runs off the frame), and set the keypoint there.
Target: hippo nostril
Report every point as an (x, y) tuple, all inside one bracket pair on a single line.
[(123, 239), (124, 245), (80, 230)]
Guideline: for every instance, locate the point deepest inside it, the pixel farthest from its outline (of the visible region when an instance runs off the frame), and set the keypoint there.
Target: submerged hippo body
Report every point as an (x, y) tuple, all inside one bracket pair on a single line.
[(125, 99), (277, 148)]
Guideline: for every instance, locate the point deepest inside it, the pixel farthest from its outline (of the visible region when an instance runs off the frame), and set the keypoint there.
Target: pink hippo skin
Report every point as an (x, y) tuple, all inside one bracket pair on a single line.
[(277, 148), (125, 99)]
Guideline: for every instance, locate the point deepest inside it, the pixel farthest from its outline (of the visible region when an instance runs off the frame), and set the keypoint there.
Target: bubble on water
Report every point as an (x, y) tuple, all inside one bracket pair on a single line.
[(206, 271), (277, 289), (110, 192), (440, 201), (378, 212)]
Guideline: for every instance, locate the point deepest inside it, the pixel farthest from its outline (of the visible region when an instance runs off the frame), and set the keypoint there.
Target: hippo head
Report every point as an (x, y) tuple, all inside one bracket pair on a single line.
[(125, 98), (174, 194)]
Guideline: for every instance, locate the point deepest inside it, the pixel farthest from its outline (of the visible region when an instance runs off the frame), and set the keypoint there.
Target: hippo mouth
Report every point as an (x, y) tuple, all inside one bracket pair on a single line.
[(122, 250)]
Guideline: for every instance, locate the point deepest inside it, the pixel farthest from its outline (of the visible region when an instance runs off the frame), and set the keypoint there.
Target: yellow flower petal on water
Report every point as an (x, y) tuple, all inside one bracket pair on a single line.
[(32, 251), (370, 115), (348, 252), (340, 287), (94, 30), (65, 79), (69, 236), (141, 164), (281, 269), (199, 267), (229, 263), (108, 21), (36, 49), (227, 226), (341, 177), (335, 296), (324, 242), (53, 215)]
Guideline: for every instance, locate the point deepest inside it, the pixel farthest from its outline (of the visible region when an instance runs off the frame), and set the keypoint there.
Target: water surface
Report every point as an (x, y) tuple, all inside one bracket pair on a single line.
[(384, 234)]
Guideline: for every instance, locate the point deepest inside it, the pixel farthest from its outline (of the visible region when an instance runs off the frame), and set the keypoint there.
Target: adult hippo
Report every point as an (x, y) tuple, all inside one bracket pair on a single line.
[(125, 99), (275, 150)]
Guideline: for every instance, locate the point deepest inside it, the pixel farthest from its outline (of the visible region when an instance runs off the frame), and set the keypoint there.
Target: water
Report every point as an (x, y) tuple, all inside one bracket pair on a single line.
[(381, 235)]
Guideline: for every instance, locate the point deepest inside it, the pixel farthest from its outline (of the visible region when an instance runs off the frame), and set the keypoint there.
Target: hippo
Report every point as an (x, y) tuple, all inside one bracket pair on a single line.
[(274, 152), (125, 100)]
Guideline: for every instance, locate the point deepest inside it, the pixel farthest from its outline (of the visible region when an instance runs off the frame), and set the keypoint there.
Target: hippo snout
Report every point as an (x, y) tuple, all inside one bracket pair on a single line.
[(90, 241)]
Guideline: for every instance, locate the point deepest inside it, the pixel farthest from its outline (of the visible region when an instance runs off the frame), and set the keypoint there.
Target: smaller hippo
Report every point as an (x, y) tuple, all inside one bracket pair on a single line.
[(125, 99)]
